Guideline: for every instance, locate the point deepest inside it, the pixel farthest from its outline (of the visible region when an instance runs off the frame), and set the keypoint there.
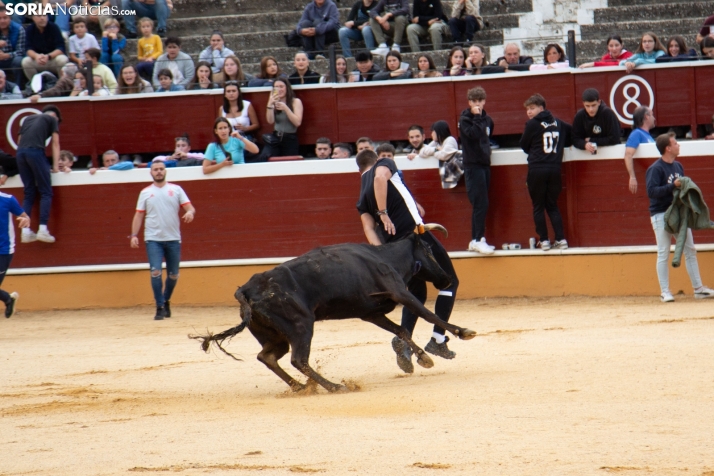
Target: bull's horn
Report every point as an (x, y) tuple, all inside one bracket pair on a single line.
[(436, 226)]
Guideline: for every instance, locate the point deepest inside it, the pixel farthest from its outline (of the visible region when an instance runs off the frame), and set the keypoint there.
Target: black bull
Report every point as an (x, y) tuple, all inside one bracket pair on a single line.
[(280, 307)]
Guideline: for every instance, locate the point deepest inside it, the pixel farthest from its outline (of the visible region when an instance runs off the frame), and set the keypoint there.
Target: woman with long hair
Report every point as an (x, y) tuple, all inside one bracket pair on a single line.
[(202, 78), (233, 71), (476, 60), (455, 64), (227, 148), (553, 58), (239, 112), (393, 68), (129, 81), (647, 52), (284, 111), (426, 67), (616, 52), (269, 72), (341, 69), (677, 51), (443, 145)]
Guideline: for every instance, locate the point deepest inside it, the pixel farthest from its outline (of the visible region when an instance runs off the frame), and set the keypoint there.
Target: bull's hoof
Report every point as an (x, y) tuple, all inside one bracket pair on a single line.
[(404, 355), (424, 360), (340, 389), (467, 334), (297, 387)]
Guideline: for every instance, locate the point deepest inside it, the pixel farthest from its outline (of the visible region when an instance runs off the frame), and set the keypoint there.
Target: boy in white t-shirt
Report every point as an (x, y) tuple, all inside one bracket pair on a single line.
[(158, 207), (81, 41)]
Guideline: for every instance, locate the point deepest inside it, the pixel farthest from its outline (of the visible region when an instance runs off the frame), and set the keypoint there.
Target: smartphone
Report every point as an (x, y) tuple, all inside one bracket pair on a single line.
[(404, 66)]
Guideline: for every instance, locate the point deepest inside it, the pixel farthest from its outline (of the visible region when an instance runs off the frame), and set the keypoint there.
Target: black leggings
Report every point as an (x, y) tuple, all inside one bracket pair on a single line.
[(417, 286), (287, 145), (5, 261), (544, 186)]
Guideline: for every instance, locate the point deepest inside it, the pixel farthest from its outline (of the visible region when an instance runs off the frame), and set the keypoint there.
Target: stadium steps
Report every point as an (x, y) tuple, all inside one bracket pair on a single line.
[(631, 18), (255, 28)]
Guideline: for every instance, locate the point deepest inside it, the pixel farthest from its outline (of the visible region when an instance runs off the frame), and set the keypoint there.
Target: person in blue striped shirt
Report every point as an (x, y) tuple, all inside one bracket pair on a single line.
[(9, 206)]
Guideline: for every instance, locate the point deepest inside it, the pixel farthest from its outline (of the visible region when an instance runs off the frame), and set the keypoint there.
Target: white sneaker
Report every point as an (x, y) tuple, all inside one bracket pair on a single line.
[(397, 48), (544, 245), (667, 296), (483, 240), (704, 293), (28, 237), (45, 237), (562, 244), (381, 50), (480, 247)]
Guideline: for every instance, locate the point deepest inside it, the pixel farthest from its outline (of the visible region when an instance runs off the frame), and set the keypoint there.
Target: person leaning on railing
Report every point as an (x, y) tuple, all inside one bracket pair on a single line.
[(512, 59), (393, 68), (677, 51), (8, 90), (227, 149), (233, 71), (269, 72), (455, 63), (366, 70), (202, 78), (707, 47), (553, 58), (340, 70), (616, 52), (130, 82), (303, 74), (647, 52), (426, 67)]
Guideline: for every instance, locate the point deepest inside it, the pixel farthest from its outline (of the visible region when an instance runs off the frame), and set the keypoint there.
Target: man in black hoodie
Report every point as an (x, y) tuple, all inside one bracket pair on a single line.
[(475, 128), (595, 125), (543, 140)]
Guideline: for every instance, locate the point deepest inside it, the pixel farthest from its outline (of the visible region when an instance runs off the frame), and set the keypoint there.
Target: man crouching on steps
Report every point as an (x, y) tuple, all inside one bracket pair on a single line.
[(389, 213)]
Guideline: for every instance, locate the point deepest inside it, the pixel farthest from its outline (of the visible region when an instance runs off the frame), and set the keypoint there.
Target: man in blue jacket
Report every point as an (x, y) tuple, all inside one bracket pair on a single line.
[(318, 26), (9, 206)]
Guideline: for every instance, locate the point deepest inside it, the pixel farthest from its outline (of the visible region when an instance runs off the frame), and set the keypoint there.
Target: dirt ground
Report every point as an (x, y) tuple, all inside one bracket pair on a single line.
[(571, 386)]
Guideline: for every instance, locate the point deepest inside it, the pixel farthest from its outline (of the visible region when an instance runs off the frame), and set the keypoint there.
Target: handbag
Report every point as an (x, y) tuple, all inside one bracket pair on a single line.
[(271, 139)]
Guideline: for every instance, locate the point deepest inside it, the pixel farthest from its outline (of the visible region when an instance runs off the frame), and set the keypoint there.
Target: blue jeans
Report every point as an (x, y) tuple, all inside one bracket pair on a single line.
[(13, 69), (157, 251), (353, 34), (115, 62), (664, 241), (158, 11), (35, 174)]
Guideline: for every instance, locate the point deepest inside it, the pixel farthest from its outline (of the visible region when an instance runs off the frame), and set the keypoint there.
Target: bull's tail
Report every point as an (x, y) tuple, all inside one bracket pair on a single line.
[(218, 339)]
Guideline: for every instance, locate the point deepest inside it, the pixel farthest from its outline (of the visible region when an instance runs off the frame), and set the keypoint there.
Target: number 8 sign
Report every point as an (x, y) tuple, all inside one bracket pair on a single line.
[(629, 93)]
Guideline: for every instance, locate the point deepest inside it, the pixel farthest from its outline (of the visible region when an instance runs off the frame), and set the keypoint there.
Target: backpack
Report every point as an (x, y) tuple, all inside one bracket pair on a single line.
[(293, 40)]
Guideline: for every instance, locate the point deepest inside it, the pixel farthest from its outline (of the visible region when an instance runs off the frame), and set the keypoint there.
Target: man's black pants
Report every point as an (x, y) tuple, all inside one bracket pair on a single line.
[(544, 186), (445, 299)]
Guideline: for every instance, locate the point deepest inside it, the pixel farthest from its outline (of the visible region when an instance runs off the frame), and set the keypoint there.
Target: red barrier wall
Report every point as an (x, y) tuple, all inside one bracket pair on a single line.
[(382, 111)]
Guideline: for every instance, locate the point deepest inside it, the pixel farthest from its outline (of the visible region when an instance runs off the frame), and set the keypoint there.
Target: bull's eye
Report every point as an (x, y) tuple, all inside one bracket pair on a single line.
[(417, 266)]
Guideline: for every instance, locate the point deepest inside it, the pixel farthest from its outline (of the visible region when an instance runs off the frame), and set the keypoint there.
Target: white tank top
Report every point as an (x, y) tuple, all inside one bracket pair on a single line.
[(243, 119)]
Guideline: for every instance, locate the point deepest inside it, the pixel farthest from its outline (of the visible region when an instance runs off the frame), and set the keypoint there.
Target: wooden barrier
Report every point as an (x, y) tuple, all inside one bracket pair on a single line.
[(681, 95)]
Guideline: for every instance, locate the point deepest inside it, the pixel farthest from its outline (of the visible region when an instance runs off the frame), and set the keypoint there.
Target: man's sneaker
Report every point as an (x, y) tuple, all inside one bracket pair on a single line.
[(442, 350), (167, 309), (480, 247), (544, 245), (404, 355), (10, 307), (160, 314), (382, 50), (397, 48), (704, 293), (161, 32), (561, 244), (45, 237), (28, 237), (667, 296), (483, 240)]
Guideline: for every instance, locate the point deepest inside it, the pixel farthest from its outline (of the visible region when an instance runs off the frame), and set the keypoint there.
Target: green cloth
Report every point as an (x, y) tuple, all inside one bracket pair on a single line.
[(688, 210)]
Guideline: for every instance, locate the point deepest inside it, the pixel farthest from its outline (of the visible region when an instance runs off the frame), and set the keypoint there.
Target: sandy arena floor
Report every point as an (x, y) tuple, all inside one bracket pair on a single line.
[(571, 386)]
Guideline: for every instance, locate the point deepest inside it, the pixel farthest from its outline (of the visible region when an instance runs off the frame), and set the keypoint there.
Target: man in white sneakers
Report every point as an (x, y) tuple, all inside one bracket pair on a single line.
[(662, 178), (34, 169), (158, 207), (9, 206)]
